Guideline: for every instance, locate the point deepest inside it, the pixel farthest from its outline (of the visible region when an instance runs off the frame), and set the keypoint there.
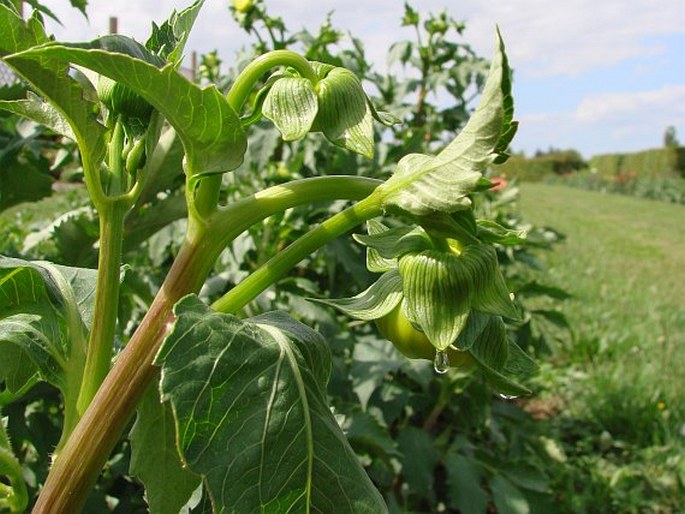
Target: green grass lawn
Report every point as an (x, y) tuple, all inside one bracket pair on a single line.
[(622, 375)]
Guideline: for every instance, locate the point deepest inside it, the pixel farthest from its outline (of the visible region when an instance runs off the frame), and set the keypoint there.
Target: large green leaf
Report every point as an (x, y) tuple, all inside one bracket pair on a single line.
[(155, 459), (249, 400), (45, 311), (211, 132), (423, 184), (51, 79)]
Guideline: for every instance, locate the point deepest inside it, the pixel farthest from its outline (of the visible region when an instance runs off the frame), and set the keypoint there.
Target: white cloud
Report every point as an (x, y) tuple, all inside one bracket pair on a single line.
[(607, 122), (667, 100), (572, 39), (543, 38), (576, 36)]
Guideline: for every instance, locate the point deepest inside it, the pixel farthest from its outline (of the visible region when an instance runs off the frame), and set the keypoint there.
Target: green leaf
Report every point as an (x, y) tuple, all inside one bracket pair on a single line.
[(17, 372), (344, 114), (508, 498), (170, 38), (13, 496), (376, 301), (464, 480), (535, 288), (419, 457), (423, 184), (501, 360), (51, 79), (34, 108), (45, 312), (249, 400), (382, 240), (209, 128), (366, 434), (375, 262), (492, 232), (292, 106), (155, 459), (22, 182)]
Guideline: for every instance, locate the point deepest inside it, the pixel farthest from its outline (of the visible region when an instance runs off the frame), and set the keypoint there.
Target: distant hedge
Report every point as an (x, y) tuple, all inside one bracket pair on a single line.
[(535, 169), (649, 163)]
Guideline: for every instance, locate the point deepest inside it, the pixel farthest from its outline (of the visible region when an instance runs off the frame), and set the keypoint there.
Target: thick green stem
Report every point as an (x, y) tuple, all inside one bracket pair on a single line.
[(78, 464), (106, 307), (281, 263), (76, 468), (243, 85), (231, 221), (207, 192)]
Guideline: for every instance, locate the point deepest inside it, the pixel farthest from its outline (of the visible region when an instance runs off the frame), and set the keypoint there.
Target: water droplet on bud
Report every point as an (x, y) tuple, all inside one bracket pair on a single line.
[(441, 363), (507, 397)]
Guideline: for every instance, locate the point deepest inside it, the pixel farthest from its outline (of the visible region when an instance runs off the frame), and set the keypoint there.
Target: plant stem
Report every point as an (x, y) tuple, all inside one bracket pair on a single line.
[(76, 468), (231, 221), (281, 263), (101, 336), (206, 195), (242, 87)]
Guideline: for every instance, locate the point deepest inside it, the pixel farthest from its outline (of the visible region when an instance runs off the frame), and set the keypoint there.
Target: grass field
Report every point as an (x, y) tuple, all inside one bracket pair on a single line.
[(622, 375)]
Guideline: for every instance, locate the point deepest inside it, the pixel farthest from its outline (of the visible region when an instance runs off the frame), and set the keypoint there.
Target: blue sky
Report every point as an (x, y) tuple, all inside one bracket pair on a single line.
[(596, 76)]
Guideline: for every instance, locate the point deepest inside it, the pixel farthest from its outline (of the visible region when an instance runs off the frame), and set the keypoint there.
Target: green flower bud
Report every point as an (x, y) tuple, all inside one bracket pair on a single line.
[(122, 101), (412, 343)]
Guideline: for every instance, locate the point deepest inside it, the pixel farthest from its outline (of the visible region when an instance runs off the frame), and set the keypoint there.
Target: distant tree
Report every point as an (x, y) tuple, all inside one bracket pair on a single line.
[(670, 137)]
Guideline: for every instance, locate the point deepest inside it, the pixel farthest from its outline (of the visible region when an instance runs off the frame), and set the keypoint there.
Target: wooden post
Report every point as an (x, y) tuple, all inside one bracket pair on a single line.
[(193, 66), (113, 25)]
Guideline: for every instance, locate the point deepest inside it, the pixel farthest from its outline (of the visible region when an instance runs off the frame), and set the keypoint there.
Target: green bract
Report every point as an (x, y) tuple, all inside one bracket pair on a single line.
[(439, 299), (335, 104)]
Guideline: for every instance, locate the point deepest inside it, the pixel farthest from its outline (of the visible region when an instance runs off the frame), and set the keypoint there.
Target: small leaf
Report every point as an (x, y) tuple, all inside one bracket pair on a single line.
[(292, 106), (155, 459), (501, 360), (492, 232), (383, 240), (13, 496), (419, 457), (508, 498), (249, 400), (34, 108), (170, 38), (464, 480), (375, 262), (423, 184), (535, 288), (22, 182), (375, 302)]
